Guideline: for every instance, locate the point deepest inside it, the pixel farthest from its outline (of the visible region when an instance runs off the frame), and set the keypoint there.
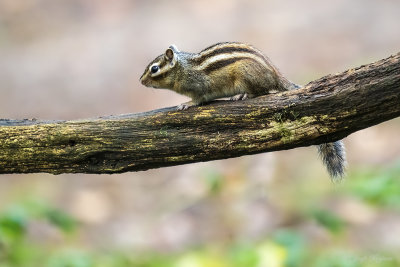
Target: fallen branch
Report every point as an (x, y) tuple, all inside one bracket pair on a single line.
[(325, 110)]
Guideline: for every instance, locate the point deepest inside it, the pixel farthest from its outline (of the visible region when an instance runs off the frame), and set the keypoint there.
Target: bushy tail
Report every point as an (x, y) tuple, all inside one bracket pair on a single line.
[(334, 157)]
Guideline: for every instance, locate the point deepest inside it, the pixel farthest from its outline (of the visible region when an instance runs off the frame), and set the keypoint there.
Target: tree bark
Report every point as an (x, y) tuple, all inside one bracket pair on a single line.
[(325, 110)]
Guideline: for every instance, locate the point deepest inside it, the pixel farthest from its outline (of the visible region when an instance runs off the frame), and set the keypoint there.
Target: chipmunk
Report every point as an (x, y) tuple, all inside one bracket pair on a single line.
[(230, 69)]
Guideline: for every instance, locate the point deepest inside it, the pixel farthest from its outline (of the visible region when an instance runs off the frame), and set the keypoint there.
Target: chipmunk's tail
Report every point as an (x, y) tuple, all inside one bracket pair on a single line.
[(334, 157)]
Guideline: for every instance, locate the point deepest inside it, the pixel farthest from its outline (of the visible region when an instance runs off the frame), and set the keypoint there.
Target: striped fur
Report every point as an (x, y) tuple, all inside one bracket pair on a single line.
[(228, 52), (224, 62)]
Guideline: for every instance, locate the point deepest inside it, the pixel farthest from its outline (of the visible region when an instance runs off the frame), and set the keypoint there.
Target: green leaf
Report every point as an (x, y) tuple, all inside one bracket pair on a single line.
[(378, 186), (294, 244), (60, 219), (329, 220), (13, 223)]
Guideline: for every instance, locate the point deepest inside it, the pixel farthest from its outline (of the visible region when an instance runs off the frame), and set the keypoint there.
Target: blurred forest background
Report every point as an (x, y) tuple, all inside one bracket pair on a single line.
[(71, 59)]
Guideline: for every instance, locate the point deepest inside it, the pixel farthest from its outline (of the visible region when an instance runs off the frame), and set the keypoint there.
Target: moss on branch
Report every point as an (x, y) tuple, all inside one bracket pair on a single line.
[(325, 110)]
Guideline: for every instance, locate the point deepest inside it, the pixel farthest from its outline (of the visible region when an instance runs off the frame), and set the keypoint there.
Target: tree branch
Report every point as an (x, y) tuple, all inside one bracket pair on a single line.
[(325, 110)]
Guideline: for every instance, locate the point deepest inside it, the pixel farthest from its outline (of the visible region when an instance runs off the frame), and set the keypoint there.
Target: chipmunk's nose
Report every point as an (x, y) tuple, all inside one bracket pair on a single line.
[(143, 80)]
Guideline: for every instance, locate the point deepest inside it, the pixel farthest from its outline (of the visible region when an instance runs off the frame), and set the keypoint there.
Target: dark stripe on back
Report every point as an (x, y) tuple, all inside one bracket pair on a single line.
[(227, 49), (223, 63)]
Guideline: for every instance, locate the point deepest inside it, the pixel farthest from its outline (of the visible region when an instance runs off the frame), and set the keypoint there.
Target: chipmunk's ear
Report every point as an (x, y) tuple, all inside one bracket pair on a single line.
[(170, 54), (174, 48)]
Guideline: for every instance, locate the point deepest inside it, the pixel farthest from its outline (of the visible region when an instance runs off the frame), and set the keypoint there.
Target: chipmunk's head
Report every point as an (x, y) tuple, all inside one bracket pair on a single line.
[(160, 72)]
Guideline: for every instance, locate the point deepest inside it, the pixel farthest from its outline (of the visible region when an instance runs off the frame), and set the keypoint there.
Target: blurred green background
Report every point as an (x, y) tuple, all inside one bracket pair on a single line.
[(71, 59)]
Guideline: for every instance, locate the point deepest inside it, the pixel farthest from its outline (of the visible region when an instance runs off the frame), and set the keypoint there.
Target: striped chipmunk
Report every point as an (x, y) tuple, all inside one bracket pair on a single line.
[(233, 70)]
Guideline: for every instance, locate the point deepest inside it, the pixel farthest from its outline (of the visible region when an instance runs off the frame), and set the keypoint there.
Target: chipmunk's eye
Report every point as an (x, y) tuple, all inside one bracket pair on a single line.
[(154, 69)]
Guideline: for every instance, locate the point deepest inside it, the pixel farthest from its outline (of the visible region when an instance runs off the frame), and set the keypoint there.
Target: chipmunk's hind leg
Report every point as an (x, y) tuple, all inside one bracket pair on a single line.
[(239, 97), (243, 88)]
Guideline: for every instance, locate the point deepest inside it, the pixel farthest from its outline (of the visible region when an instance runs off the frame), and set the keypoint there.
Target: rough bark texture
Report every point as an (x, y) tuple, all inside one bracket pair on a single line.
[(324, 110)]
